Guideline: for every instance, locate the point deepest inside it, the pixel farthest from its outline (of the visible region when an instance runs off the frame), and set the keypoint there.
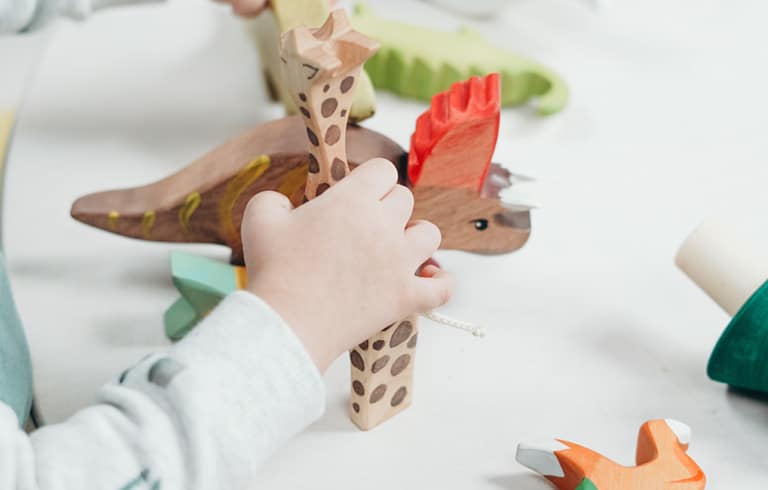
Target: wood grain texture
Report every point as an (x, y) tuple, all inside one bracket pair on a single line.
[(418, 62), (204, 202), (382, 374), (662, 462)]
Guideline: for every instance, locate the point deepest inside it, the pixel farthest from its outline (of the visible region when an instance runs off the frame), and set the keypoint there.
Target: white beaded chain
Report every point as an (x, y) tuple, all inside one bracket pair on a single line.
[(476, 330)]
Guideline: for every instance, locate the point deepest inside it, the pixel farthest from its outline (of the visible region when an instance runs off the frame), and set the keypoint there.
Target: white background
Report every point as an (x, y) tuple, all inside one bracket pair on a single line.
[(591, 328)]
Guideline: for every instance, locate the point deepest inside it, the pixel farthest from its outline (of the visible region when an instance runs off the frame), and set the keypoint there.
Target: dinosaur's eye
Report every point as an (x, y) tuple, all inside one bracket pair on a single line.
[(481, 224)]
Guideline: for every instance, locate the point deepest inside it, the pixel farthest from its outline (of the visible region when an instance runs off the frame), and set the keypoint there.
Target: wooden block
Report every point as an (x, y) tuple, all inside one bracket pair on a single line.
[(283, 16), (661, 458), (203, 283), (382, 374), (724, 261), (417, 62)]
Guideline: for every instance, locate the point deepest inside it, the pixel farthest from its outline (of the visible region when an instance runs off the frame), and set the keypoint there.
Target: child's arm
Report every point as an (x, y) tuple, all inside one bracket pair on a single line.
[(206, 413), (25, 15)]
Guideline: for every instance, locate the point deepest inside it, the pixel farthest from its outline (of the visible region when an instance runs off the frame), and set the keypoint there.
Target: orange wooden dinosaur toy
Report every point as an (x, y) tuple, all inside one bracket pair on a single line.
[(662, 462)]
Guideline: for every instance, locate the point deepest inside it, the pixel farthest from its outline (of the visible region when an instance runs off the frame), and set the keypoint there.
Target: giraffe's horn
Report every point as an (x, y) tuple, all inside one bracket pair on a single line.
[(541, 458)]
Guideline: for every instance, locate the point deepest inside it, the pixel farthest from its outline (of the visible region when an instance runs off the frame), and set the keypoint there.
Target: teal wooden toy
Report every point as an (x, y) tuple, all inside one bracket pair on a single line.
[(417, 62), (15, 363), (735, 275), (203, 283)]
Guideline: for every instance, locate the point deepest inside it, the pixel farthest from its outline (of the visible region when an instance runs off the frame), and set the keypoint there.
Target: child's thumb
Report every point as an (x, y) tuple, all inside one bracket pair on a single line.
[(267, 205)]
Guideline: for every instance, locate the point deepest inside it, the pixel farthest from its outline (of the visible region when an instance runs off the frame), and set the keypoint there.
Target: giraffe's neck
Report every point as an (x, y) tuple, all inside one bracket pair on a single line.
[(325, 110)]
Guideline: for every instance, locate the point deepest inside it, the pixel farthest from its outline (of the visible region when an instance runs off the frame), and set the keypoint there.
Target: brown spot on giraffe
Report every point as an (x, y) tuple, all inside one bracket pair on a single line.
[(312, 137), (379, 344), (356, 407), (399, 396), (338, 169), (379, 364), (413, 340), (326, 88), (400, 364), (305, 112), (343, 112), (322, 188), (303, 97), (363, 345), (332, 135), (346, 84), (357, 360), (378, 393), (358, 387), (328, 107), (314, 166), (402, 332)]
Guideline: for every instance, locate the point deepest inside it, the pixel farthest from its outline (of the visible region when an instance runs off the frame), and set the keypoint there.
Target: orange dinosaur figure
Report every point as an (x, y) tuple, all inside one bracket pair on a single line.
[(662, 462)]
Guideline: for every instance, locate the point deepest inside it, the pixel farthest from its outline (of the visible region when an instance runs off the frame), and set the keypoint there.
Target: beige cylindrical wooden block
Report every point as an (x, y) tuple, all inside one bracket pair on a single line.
[(723, 261)]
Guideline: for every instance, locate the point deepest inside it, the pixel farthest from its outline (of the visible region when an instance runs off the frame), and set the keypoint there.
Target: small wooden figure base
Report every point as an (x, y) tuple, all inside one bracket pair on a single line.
[(662, 462), (382, 374)]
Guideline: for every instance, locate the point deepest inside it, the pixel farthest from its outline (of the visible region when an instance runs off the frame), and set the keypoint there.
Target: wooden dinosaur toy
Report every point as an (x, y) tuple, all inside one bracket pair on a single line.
[(661, 457), (321, 68), (282, 16), (722, 259), (476, 204), (418, 62)]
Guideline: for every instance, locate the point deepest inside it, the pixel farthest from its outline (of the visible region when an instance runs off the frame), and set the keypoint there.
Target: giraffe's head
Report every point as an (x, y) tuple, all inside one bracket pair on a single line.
[(313, 56), (476, 204)]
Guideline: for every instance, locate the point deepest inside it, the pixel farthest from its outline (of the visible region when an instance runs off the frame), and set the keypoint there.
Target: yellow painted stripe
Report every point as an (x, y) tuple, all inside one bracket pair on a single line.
[(241, 277), (186, 211), (112, 218), (293, 181), (247, 176), (147, 222)]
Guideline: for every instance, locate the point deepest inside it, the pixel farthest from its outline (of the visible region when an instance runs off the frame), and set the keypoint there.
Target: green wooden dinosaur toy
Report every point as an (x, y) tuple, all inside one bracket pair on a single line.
[(418, 62)]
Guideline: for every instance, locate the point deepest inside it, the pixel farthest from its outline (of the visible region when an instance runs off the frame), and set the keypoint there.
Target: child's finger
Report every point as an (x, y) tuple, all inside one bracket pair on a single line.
[(266, 205), (399, 202), (374, 178), (434, 291), (422, 238)]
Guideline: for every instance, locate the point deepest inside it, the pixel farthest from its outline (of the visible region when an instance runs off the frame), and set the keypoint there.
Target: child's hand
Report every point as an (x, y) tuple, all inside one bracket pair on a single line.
[(343, 266), (246, 8)]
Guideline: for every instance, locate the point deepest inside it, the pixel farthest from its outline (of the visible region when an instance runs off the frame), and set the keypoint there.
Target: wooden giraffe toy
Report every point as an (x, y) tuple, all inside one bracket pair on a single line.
[(661, 457), (321, 68)]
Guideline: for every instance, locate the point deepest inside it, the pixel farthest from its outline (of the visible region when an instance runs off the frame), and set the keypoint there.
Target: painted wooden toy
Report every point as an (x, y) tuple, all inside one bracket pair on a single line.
[(15, 361), (719, 259), (418, 62), (661, 457), (477, 205), (282, 16), (321, 68)]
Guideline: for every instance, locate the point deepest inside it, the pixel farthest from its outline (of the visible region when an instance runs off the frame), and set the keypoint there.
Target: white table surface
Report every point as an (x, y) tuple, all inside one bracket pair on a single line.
[(591, 328)]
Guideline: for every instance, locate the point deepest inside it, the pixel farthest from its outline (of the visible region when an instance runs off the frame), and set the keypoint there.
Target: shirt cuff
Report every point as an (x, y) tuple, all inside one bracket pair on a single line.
[(248, 366)]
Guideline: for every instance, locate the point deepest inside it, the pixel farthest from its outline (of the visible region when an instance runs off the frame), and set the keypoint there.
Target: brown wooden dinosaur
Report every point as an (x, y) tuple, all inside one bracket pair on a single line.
[(204, 202)]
